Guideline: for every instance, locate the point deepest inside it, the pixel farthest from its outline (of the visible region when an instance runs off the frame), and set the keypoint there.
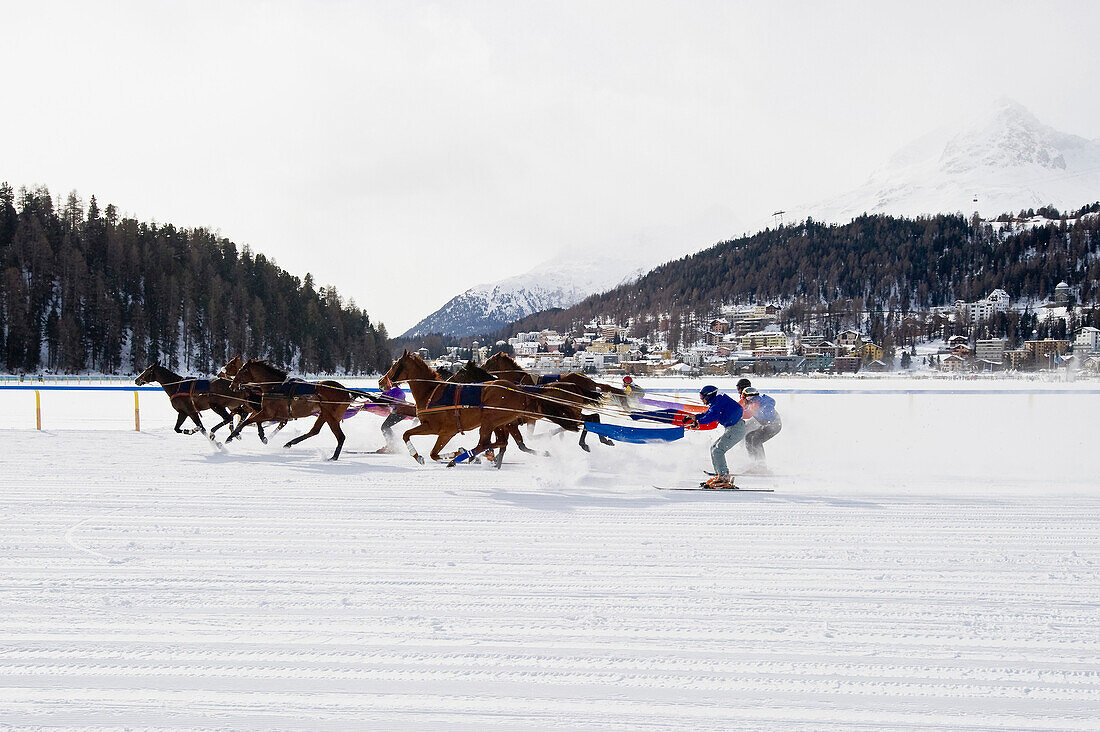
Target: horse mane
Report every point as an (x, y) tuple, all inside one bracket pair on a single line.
[(508, 360), (267, 365), (431, 371)]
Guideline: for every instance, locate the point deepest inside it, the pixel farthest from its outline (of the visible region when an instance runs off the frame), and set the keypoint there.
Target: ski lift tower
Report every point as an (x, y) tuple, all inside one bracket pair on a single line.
[(777, 217)]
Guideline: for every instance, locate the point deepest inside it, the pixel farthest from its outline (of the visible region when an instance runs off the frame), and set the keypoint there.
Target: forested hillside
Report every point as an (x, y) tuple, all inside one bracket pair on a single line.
[(84, 289), (876, 263)]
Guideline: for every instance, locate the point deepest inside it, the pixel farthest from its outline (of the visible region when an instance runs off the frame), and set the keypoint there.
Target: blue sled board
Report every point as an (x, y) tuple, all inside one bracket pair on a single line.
[(639, 435)]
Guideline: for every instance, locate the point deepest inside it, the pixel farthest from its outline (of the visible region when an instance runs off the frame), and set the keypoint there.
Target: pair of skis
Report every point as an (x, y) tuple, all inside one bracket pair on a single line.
[(705, 487)]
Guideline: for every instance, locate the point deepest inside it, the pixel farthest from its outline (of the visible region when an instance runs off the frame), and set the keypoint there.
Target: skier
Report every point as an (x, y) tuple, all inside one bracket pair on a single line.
[(760, 408), (634, 393), (727, 412), (398, 410)]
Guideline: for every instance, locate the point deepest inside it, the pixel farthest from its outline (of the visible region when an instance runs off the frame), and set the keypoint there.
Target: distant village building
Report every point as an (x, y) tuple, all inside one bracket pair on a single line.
[(764, 339), (847, 364), (1087, 340), (990, 349), (849, 338), (953, 363), (1047, 348), (1061, 293), (998, 301)]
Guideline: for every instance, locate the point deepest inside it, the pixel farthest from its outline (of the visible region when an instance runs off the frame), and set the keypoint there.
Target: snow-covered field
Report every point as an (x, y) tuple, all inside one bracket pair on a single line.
[(925, 560)]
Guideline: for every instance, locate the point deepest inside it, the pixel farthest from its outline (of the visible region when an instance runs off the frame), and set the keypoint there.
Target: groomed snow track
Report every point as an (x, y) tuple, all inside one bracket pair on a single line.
[(150, 581)]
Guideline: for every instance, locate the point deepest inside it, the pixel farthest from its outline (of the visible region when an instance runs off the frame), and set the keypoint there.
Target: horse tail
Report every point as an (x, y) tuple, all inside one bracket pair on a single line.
[(562, 415), (356, 393)]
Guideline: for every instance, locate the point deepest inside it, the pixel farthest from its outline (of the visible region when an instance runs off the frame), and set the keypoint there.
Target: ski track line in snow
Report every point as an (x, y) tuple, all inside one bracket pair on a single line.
[(277, 590)]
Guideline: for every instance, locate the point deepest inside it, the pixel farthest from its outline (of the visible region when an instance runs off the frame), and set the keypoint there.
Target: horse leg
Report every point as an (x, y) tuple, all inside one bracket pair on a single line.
[(260, 432), (420, 429), (503, 445), (253, 418), (334, 425), (513, 431), (593, 418), (194, 415), (485, 442), (179, 423), (226, 416), (313, 432), (441, 441)]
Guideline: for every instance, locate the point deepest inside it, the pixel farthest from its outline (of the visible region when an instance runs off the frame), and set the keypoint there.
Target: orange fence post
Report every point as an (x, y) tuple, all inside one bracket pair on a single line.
[(137, 414), (38, 408)]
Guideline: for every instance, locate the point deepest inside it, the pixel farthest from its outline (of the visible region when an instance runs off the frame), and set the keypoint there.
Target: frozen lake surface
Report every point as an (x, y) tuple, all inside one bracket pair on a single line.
[(925, 560)]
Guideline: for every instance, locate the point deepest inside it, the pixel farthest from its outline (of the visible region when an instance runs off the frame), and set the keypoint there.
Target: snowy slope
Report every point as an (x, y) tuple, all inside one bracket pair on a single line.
[(556, 284), (1002, 161), (909, 572)]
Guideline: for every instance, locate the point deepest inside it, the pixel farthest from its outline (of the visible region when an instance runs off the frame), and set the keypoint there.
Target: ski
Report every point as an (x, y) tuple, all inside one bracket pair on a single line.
[(736, 489)]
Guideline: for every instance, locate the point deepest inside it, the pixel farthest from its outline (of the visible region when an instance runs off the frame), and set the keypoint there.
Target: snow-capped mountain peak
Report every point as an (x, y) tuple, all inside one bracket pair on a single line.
[(555, 284), (1003, 160)]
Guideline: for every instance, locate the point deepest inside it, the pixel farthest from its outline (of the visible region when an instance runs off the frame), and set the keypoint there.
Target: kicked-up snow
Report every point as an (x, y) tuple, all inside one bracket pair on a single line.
[(926, 560)]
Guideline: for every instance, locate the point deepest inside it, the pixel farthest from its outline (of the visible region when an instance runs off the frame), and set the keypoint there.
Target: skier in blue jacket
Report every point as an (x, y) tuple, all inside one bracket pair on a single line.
[(726, 411), (761, 409)]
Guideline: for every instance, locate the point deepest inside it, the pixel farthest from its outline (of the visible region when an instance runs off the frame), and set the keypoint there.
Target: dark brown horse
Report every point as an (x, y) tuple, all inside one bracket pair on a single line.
[(498, 403), (189, 396), (285, 399), (573, 388)]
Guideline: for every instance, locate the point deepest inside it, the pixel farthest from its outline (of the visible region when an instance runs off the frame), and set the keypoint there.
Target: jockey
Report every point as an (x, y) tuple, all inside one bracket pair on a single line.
[(727, 412)]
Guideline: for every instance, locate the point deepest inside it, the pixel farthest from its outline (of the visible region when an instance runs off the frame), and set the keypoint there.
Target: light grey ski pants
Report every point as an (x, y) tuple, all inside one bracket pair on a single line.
[(733, 434)]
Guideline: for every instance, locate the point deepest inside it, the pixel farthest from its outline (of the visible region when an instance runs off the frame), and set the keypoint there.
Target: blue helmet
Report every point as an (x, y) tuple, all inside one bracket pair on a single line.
[(707, 393)]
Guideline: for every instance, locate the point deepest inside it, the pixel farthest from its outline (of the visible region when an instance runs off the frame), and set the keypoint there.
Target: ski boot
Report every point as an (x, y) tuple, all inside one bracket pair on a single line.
[(719, 482)]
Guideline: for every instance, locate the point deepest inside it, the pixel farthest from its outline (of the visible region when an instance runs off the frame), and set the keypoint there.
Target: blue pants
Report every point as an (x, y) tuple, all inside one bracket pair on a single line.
[(733, 434)]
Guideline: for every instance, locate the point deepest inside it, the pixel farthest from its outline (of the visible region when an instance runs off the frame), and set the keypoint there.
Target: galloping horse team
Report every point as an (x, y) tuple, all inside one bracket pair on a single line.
[(494, 401)]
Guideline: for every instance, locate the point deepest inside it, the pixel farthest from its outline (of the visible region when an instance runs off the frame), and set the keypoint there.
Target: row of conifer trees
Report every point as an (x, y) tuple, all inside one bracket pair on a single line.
[(85, 289)]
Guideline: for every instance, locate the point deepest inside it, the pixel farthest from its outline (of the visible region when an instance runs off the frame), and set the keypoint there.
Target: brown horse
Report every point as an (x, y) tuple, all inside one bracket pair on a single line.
[(285, 399), (499, 403), (576, 389), (190, 396), (471, 373)]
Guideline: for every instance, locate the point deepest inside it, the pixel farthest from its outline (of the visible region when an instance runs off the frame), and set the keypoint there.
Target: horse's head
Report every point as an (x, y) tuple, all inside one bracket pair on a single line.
[(501, 361), (245, 375), (148, 375), (409, 367), (232, 368)]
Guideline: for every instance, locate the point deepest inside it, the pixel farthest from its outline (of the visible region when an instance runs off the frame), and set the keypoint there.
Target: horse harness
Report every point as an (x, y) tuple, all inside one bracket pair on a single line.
[(450, 397), (190, 388)]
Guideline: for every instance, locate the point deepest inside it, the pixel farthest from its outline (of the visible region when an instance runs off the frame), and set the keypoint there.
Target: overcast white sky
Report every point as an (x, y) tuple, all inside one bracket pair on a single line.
[(405, 151)]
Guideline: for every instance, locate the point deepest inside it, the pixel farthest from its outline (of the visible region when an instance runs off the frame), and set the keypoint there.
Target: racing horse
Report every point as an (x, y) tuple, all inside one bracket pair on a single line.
[(198, 395), (237, 404), (471, 373), (491, 406), (190, 396), (573, 387), (284, 399)]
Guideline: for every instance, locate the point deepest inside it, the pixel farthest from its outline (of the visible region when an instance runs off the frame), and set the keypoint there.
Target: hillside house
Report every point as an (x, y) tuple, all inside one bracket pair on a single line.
[(848, 338)]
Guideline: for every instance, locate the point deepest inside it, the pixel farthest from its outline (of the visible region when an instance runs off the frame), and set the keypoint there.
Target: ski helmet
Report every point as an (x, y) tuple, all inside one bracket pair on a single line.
[(628, 380), (707, 393), (742, 384), (750, 392)]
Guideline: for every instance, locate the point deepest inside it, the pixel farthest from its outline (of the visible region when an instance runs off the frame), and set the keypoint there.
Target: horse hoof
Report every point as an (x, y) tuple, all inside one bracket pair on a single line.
[(420, 459), (451, 464), (263, 440), (586, 448)]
